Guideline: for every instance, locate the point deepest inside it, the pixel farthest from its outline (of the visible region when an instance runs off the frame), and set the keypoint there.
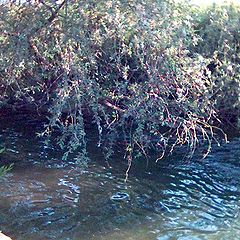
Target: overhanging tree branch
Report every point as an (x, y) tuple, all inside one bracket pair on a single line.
[(50, 19)]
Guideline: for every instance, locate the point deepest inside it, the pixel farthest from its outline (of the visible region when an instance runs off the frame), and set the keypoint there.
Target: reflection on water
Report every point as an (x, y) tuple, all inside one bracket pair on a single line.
[(45, 198)]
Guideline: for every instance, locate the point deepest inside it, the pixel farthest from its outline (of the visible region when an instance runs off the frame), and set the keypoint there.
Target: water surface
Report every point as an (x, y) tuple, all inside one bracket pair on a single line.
[(44, 197)]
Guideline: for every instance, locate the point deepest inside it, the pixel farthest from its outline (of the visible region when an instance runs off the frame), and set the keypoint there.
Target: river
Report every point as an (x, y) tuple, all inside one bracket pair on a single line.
[(45, 198)]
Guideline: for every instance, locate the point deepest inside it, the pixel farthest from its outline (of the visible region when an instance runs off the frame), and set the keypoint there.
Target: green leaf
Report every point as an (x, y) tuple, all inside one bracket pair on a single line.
[(5, 169), (2, 150)]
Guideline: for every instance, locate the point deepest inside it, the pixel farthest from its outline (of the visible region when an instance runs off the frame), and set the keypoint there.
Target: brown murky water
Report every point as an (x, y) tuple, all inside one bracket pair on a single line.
[(46, 198)]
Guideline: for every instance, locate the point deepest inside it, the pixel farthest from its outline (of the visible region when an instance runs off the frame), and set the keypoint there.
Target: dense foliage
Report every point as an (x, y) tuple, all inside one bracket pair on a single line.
[(218, 26), (139, 71)]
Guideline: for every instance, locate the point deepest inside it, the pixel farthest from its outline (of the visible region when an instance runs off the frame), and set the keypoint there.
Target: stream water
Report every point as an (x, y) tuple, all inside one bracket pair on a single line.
[(45, 198)]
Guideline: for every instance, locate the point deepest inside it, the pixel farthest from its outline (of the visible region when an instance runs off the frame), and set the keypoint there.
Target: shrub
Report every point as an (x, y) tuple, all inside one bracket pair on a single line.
[(218, 26), (126, 66)]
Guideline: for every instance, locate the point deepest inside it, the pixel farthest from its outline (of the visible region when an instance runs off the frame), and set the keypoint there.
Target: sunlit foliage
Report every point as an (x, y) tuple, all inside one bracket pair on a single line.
[(135, 70), (219, 28)]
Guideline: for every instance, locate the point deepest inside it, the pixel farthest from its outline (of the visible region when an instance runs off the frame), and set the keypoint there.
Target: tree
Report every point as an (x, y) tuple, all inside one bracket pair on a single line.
[(130, 68)]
